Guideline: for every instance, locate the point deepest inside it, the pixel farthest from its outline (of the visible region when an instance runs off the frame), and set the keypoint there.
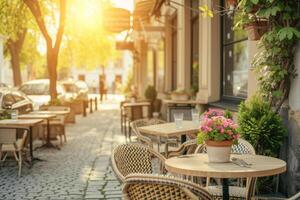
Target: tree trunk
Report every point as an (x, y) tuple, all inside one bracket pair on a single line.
[(15, 64), (51, 64), (52, 49), (15, 48)]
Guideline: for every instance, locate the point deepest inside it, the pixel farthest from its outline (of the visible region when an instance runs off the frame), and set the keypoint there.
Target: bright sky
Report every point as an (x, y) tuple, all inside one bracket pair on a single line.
[(126, 4)]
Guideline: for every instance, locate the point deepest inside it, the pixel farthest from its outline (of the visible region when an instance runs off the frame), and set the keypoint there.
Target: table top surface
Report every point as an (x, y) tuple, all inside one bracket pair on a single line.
[(20, 122), (170, 101), (198, 165), (170, 129), (131, 104), (54, 112), (37, 116)]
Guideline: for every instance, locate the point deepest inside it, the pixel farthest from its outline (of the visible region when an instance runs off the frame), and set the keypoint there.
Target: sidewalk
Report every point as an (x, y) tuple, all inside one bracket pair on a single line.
[(79, 171)]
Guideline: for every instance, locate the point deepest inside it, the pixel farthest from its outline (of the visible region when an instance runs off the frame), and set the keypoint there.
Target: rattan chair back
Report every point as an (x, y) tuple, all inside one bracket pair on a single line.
[(144, 122), (243, 147), (134, 158), (141, 186)]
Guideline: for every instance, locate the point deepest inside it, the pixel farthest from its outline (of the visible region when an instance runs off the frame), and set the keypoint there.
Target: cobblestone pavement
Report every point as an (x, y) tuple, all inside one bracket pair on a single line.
[(80, 170)]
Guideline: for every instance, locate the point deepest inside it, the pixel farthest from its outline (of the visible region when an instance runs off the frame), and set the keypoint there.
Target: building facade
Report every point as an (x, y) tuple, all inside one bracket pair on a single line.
[(177, 48)]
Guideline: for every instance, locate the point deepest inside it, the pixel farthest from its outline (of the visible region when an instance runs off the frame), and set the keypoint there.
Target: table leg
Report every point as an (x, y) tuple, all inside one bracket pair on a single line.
[(30, 145), (167, 148), (32, 158), (48, 141), (225, 188), (183, 139)]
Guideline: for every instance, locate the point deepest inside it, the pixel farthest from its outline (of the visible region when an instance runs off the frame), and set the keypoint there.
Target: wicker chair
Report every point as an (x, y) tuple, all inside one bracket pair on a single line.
[(9, 143), (57, 125), (187, 147), (295, 197), (149, 140), (235, 192), (135, 158), (143, 186)]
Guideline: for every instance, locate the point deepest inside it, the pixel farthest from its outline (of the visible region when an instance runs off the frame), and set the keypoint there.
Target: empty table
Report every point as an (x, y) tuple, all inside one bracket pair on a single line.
[(27, 123), (46, 117), (169, 129)]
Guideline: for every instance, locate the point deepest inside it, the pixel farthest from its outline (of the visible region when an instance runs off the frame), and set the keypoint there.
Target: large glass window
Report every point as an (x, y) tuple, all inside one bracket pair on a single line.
[(160, 66), (194, 20), (174, 52), (235, 60), (150, 67)]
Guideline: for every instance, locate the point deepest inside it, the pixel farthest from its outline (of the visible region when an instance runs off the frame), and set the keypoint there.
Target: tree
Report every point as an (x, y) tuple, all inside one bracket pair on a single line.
[(14, 20), (86, 44), (53, 48)]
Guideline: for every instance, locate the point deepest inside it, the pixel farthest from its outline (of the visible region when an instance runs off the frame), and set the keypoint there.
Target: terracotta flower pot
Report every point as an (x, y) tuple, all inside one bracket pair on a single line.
[(231, 4), (256, 29), (218, 151)]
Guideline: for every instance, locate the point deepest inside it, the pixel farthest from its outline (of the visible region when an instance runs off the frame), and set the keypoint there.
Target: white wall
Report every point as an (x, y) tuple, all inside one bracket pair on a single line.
[(294, 98), (1, 57)]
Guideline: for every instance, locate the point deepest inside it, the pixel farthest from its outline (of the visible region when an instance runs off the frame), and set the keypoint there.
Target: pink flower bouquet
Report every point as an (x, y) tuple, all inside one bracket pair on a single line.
[(216, 127)]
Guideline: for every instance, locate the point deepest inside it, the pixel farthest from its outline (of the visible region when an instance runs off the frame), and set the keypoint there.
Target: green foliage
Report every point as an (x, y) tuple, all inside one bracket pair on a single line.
[(150, 93), (4, 114), (261, 126), (14, 18), (275, 63)]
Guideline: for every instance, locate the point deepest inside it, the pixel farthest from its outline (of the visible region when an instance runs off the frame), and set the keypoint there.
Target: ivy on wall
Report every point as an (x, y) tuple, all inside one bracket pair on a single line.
[(275, 61)]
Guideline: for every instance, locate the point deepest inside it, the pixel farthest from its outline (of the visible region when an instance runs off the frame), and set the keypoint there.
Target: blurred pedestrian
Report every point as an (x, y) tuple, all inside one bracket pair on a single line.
[(103, 89)]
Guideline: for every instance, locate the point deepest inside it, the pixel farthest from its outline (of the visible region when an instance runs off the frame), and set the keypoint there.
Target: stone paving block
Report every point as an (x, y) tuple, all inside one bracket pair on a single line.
[(80, 170)]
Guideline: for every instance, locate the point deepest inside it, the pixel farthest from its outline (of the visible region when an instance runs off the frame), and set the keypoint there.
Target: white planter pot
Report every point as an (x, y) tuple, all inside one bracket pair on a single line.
[(219, 153)]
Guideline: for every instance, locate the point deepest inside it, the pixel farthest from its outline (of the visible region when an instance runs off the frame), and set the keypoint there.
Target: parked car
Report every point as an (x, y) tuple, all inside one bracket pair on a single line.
[(71, 90), (3, 85), (83, 92), (38, 91), (12, 99)]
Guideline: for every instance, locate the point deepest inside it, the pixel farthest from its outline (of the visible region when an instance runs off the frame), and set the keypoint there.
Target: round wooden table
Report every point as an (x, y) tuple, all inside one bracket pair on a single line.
[(198, 165)]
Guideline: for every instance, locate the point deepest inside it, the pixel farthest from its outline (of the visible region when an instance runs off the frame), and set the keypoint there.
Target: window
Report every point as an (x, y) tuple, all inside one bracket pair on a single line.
[(18, 97), (194, 20), (174, 52), (160, 66), (150, 67), (8, 101), (235, 60)]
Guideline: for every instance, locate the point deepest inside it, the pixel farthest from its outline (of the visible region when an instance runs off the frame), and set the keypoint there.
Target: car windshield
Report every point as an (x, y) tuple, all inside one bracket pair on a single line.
[(35, 89), (81, 85), (70, 88)]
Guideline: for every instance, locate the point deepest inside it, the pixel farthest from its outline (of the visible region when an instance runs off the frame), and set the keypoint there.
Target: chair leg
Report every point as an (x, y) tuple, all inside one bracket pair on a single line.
[(60, 139), (20, 163), (65, 137), (125, 130)]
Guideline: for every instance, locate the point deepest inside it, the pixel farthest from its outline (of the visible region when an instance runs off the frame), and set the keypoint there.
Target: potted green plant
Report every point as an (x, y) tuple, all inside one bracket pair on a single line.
[(249, 20), (262, 127), (151, 95), (219, 132), (180, 95)]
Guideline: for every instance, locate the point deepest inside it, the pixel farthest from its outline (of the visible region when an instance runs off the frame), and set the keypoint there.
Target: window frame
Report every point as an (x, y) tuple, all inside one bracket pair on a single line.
[(174, 32), (223, 45), (193, 19)]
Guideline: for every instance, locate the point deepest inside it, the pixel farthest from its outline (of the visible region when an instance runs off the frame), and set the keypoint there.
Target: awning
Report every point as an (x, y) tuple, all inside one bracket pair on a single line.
[(144, 9), (116, 20)]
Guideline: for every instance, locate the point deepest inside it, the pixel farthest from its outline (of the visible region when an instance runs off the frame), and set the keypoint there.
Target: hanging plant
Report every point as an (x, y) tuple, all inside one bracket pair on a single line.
[(275, 62)]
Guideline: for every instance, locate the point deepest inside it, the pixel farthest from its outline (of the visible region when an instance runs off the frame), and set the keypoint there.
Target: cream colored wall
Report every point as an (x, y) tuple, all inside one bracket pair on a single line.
[(1, 57), (181, 72), (209, 57), (252, 81)]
